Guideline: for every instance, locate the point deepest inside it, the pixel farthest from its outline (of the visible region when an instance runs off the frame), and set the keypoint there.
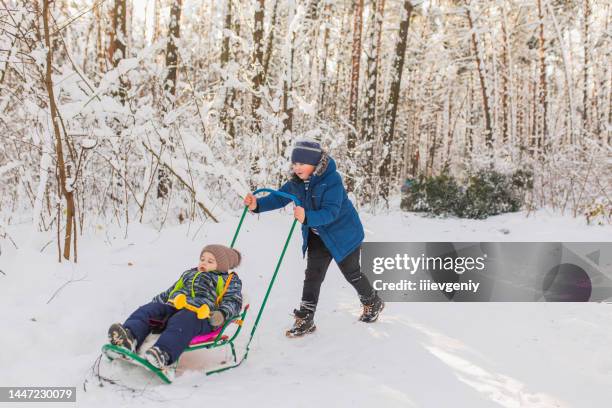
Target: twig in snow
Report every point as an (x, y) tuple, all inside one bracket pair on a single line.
[(63, 286), (6, 235), (150, 395), (45, 246)]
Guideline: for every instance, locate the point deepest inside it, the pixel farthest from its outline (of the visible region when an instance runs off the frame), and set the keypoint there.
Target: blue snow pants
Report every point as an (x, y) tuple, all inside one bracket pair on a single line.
[(182, 326)]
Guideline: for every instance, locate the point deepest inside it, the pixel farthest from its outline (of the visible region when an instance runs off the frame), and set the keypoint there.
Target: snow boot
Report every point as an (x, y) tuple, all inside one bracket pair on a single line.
[(304, 323), (371, 309), (157, 357), (121, 336)]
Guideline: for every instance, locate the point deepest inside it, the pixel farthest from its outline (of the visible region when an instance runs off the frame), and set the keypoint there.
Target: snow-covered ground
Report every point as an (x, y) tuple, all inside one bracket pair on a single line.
[(416, 355)]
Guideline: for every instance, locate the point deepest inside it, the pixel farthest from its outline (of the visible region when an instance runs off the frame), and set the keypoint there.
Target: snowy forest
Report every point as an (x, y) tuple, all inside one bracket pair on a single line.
[(170, 111)]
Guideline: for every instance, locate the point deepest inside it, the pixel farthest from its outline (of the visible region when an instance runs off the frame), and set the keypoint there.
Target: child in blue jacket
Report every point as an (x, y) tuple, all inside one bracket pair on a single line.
[(208, 284), (331, 229)]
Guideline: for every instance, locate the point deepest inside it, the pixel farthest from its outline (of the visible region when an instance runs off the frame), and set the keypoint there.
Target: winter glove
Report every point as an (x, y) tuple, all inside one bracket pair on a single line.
[(216, 318)]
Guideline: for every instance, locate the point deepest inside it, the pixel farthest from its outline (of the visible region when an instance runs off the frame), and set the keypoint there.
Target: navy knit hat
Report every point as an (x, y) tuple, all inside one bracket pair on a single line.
[(306, 152)]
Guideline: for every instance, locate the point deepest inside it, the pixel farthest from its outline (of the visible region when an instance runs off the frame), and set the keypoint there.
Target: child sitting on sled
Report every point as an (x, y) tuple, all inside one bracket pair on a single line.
[(208, 284)]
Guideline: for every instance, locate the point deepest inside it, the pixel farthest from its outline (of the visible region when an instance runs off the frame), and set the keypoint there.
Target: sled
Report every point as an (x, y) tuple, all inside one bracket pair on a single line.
[(216, 338)]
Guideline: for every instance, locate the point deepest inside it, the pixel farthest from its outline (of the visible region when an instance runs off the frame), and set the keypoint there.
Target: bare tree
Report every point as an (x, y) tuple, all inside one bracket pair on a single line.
[(505, 77), (369, 119), (480, 67), (227, 114), (289, 50), (118, 41), (543, 119), (585, 68), (156, 21), (270, 41), (323, 77), (258, 52), (354, 88), (394, 91), (65, 179), (174, 33)]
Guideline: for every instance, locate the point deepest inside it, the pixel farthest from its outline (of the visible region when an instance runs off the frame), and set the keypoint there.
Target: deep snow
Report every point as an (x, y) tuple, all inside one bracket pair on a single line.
[(417, 354)]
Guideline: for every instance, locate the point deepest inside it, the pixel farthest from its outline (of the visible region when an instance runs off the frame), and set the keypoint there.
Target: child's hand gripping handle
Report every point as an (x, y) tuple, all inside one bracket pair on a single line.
[(180, 302)]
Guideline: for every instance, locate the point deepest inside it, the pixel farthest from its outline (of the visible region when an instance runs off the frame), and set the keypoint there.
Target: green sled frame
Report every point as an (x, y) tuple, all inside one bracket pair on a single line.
[(112, 351)]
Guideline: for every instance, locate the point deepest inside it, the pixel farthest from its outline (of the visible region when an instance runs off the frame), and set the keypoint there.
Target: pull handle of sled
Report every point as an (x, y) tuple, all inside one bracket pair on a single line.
[(278, 193), (272, 280), (263, 304), (262, 190)]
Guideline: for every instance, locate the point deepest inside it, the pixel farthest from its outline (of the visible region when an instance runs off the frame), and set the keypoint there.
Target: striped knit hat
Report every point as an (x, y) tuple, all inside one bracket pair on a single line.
[(306, 152), (227, 258)]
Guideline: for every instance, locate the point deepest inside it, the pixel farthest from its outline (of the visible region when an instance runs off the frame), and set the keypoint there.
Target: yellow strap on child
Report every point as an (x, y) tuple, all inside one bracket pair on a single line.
[(227, 283)]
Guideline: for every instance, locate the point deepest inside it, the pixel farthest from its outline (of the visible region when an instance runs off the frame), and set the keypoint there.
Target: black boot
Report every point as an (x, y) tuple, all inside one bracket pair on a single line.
[(304, 323), (121, 336), (371, 309), (157, 357)]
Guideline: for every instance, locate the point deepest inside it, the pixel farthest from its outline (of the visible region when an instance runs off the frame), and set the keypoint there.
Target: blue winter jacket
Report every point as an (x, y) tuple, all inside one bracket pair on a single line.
[(327, 206), (201, 288)]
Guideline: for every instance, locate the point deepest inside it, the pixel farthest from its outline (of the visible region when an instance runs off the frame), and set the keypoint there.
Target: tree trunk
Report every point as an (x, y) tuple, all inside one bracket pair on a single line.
[(543, 120), (100, 58), (506, 73), (390, 114), (482, 75), (63, 171), (174, 32), (369, 120), (258, 61), (534, 111), (288, 78), (156, 21), (337, 105), (323, 75), (227, 25), (270, 42), (118, 41), (354, 88), (227, 114), (585, 85)]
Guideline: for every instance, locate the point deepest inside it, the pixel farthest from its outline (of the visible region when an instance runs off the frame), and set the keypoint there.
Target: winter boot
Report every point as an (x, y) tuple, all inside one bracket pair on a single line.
[(304, 323), (121, 336), (157, 357), (371, 309)]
